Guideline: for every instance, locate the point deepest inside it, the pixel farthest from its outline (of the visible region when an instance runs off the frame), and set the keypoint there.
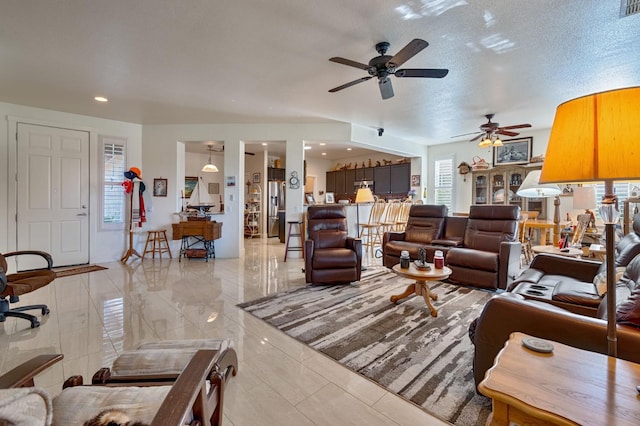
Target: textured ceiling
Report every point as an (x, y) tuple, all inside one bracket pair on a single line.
[(256, 61)]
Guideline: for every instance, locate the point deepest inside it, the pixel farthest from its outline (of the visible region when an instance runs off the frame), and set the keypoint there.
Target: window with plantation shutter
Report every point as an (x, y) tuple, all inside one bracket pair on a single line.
[(113, 167), (443, 182), (621, 189)]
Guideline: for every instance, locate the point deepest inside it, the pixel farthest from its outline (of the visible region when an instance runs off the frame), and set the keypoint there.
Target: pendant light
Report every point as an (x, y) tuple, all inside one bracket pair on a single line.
[(209, 167)]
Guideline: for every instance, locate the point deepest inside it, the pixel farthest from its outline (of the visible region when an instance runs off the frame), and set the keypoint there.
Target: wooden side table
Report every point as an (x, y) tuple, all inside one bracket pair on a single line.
[(420, 287), (568, 386), (571, 252)]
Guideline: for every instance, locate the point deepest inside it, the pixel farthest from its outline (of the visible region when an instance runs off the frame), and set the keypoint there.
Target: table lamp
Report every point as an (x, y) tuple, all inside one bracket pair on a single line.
[(584, 197), (364, 195), (594, 138), (532, 188)]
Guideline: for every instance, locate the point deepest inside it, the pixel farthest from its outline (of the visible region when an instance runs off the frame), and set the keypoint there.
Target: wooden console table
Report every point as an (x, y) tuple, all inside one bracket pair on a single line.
[(197, 231), (568, 386)]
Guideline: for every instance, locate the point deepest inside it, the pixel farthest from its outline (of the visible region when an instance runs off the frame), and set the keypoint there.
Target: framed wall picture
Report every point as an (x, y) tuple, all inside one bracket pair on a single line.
[(256, 178), (160, 187), (415, 180), (513, 151), (308, 197), (328, 198), (189, 183)]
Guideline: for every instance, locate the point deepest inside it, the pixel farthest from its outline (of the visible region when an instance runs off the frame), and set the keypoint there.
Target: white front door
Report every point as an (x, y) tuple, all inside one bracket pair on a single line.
[(53, 193)]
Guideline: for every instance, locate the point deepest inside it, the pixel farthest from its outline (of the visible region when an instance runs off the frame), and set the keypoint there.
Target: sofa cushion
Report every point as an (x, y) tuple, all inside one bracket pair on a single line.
[(629, 312), (423, 229), (473, 259), (576, 292), (334, 258), (330, 238)]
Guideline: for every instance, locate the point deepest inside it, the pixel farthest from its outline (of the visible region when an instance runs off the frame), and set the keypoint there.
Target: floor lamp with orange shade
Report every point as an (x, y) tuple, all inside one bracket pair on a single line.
[(594, 138)]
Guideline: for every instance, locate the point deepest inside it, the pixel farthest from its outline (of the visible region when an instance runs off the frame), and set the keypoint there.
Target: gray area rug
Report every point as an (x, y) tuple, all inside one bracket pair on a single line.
[(401, 347)]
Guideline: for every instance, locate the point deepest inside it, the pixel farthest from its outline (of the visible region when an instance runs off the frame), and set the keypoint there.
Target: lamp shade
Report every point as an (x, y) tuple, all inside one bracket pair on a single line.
[(364, 195), (584, 197), (532, 188), (595, 138), (208, 168)]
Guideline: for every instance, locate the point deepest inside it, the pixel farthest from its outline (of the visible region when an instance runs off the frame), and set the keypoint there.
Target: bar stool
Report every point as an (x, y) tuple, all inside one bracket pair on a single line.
[(159, 244), (299, 235)]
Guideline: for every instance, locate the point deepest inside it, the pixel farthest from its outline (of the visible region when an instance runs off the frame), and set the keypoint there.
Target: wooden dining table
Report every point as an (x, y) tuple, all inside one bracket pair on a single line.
[(544, 227)]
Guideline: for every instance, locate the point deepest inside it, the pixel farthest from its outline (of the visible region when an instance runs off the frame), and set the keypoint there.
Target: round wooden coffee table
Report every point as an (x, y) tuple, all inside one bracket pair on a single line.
[(420, 287)]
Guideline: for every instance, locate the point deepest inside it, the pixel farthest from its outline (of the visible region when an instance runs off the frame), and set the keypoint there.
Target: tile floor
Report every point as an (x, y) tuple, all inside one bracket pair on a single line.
[(96, 316)]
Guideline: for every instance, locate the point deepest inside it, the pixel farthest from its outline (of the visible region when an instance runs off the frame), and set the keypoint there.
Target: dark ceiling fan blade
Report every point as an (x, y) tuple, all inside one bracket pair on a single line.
[(422, 72), (386, 90), (349, 84), (506, 132), (349, 62), (409, 51), (517, 126), (465, 134), (477, 137)]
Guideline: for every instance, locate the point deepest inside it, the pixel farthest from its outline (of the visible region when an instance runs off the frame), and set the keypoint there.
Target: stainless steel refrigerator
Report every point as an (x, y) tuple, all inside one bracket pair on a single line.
[(276, 200)]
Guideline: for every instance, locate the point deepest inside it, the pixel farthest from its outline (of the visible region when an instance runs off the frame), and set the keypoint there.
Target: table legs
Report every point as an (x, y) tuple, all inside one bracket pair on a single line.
[(419, 288)]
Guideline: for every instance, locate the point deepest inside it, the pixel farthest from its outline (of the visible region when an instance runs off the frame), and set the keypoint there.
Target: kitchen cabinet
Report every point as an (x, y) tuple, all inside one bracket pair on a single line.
[(274, 173), (364, 173), (392, 179), (331, 182), (382, 180), (400, 178), (500, 185)]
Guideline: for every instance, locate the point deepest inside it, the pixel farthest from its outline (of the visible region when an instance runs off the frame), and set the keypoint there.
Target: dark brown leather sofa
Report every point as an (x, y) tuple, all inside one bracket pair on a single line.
[(509, 312), (331, 256), (569, 283), (482, 249)]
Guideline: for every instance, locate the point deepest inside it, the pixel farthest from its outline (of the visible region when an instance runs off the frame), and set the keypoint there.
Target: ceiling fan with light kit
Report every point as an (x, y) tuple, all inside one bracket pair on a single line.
[(385, 65), (490, 130)]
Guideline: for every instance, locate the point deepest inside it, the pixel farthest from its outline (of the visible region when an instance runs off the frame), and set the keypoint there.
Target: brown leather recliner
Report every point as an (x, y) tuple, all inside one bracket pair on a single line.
[(490, 256), (331, 256), (509, 312)]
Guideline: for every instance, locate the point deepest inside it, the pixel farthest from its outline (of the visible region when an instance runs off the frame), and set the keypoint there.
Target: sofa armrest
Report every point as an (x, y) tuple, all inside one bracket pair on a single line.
[(23, 374), (392, 236), (355, 244), (309, 246), (580, 269), (447, 243), (189, 397), (509, 263), (508, 312)]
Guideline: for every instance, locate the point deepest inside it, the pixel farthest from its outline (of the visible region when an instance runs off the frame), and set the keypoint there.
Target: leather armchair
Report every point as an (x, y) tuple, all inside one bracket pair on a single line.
[(19, 283), (509, 312), (331, 256), (490, 256), (195, 398), (569, 283)]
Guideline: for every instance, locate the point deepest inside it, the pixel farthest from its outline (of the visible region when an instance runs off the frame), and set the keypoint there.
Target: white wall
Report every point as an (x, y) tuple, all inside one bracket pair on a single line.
[(467, 151), (104, 245)]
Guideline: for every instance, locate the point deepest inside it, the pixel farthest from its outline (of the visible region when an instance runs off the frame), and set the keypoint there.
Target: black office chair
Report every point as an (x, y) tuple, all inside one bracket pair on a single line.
[(16, 284)]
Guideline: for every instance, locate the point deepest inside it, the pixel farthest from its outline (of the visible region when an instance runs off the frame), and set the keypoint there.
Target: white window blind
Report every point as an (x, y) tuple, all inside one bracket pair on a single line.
[(113, 168), (621, 189), (443, 182)]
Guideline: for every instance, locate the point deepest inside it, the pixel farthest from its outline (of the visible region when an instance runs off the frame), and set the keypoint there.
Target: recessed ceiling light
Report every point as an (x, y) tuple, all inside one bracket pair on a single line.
[(307, 147), (101, 99), (264, 144), (324, 153), (322, 143), (349, 149)]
